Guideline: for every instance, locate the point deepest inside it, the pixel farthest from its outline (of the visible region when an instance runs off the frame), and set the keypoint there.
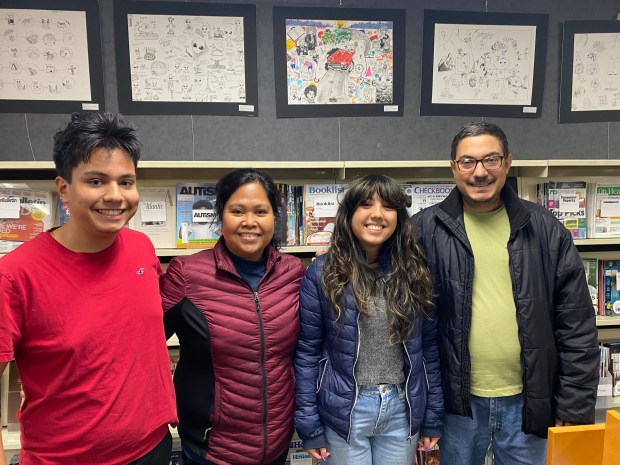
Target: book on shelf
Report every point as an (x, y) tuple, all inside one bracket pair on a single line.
[(614, 364), (590, 266), (426, 194), (63, 212), (24, 213), (608, 281), (196, 227), (286, 222), (155, 216), (567, 201), (606, 210), (320, 207), (11, 397)]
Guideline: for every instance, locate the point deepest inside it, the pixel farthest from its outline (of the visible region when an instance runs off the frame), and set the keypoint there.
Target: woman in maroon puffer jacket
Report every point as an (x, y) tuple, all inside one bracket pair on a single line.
[(235, 311)]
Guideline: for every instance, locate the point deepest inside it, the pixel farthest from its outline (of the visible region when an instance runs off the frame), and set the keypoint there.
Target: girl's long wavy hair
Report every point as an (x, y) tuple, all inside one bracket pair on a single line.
[(408, 288)]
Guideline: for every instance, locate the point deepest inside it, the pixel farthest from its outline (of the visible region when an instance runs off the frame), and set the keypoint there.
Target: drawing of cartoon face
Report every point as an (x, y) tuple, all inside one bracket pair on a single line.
[(50, 70), (68, 83), (501, 63), (45, 22), (199, 46), (10, 35), (66, 52), (37, 87), (33, 53), (158, 68), (68, 38), (49, 39)]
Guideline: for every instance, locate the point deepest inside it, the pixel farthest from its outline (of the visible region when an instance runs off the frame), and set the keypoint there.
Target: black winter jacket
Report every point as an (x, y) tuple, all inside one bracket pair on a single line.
[(557, 328)]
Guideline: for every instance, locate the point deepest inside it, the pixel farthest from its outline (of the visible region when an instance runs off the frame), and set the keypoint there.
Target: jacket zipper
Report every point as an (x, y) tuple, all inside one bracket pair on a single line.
[(407, 388), (519, 332), (263, 373), (357, 353)]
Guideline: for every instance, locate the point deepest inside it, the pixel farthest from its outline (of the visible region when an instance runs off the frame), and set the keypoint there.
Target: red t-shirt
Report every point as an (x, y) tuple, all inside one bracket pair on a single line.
[(87, 335)]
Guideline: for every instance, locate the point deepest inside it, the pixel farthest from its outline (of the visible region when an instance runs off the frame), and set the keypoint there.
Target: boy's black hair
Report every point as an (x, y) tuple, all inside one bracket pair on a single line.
[(85, 133)]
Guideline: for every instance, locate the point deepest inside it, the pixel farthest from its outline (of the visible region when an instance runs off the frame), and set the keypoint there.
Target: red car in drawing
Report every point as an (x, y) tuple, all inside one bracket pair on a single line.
[(339, 59)]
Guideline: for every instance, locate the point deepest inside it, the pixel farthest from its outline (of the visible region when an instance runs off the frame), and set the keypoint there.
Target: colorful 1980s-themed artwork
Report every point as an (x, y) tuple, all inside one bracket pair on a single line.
[(339, 62)]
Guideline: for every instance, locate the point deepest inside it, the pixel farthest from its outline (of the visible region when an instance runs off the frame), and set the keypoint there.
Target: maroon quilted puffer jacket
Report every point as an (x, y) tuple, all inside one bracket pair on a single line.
[(234, 380)]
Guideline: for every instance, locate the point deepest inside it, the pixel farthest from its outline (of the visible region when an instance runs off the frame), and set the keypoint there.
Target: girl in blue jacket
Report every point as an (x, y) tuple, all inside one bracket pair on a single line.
[(366, 366)]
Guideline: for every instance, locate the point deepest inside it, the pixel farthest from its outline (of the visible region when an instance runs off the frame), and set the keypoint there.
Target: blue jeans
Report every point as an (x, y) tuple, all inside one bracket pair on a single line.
[(379, 430), (496, 421)]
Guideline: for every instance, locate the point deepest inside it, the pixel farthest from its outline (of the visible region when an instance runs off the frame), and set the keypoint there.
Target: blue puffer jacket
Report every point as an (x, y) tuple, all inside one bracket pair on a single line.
[(325, 385)]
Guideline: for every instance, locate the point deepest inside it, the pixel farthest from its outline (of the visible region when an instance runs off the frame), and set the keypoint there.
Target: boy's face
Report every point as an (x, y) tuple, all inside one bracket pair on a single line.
[(102, 195)]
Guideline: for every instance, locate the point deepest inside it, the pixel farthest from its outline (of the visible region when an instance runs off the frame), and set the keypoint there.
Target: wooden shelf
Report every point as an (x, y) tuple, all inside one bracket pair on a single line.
[(607, 321)]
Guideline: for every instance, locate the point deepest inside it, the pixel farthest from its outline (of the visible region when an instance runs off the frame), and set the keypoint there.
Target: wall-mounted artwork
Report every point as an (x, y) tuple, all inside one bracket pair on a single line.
[(590, 88), (50, 59), (338, 62), (483, 64), (186, 58)]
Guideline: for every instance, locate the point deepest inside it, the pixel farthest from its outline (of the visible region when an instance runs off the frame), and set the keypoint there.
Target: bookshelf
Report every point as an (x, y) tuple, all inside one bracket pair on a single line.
[(528, 174)]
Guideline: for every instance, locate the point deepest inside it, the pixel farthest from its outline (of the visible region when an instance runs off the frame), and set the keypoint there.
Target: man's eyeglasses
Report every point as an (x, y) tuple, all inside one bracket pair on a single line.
[(467, 164)]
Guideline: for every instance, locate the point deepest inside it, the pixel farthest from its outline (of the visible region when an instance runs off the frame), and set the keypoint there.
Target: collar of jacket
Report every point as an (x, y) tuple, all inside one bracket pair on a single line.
[(518, 213), (223, 261)]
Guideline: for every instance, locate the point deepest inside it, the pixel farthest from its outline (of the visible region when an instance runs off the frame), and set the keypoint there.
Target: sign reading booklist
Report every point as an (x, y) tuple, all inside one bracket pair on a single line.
[(24, 213)]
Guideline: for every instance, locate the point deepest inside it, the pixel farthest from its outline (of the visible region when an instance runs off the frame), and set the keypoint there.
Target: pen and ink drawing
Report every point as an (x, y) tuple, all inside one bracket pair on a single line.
[(186, 58), (483, 64), (44, 55), (590, 84), (596, 72)]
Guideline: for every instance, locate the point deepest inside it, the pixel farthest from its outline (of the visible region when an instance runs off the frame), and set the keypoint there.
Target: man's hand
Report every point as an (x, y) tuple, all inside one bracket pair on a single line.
[(559, 422)]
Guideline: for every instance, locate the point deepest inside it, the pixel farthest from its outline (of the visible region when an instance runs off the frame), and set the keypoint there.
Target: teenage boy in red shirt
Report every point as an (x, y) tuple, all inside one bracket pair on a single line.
[(81, 314)]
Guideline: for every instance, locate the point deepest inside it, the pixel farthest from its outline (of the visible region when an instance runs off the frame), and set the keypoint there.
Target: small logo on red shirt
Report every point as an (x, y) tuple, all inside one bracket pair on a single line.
[(140, 271)]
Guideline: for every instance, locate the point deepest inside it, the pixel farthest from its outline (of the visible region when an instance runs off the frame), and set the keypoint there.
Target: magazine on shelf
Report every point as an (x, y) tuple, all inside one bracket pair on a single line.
[(24, 213), (320, 207), (155, 216), (567, 201), (607, 210), (426, 194), (196, 227)]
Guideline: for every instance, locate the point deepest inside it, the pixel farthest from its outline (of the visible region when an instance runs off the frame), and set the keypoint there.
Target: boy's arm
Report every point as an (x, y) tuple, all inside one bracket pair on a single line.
[(2, 460)]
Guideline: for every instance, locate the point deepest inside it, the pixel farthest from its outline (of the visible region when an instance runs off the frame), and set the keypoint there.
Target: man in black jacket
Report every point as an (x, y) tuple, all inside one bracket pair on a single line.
[(518, 340)]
